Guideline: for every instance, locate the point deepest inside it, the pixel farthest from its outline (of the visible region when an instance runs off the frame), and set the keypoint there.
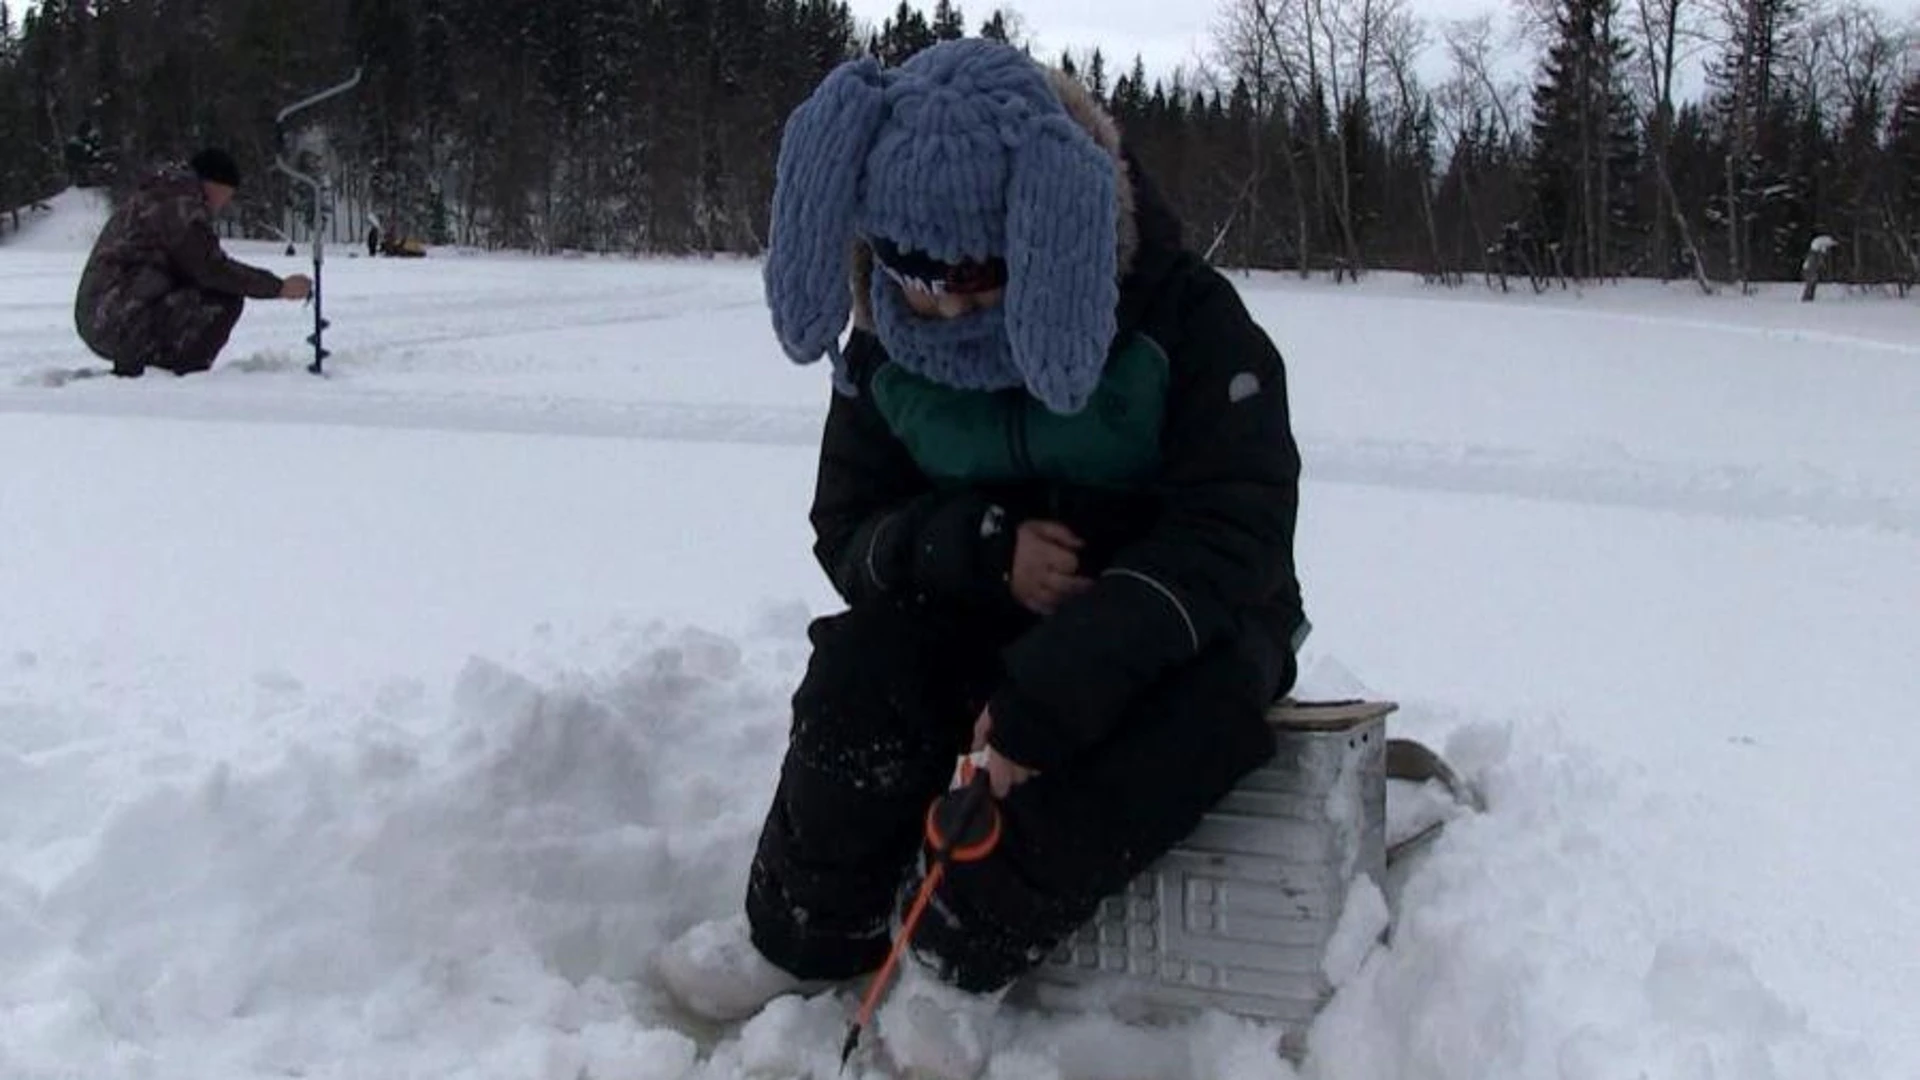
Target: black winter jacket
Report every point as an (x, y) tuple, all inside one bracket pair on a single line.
[(1197, 556)]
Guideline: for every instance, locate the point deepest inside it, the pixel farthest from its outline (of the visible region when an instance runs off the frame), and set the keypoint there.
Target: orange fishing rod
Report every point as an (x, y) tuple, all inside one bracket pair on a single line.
[(963, 826)]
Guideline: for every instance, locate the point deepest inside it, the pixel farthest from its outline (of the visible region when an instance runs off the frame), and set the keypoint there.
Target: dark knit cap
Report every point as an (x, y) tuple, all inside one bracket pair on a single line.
[(216, 166)]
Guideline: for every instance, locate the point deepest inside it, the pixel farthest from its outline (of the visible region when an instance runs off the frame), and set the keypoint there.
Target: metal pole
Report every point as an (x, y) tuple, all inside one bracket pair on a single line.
[(318, 187)]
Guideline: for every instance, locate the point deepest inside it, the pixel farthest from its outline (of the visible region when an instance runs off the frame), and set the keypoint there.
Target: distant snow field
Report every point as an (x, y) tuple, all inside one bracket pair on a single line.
[(384, 725)]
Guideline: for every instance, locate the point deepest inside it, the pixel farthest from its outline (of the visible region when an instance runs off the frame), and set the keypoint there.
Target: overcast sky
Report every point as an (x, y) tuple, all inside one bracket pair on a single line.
[(1164, 33)]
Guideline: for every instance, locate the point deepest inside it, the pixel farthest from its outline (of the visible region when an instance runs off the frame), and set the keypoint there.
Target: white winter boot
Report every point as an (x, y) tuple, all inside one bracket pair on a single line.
[(933, 1030), (714, 971)]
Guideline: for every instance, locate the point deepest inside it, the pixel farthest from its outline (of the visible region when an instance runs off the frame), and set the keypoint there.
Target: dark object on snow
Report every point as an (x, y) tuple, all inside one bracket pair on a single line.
[(157, 290), (408, 247)]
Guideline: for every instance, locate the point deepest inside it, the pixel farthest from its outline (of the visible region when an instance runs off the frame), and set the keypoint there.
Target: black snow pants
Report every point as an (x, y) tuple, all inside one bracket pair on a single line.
[(181, 331), (887, 705)]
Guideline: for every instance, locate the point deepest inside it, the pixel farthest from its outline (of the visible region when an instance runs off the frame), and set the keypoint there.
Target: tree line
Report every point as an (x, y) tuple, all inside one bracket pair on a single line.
[(1319, 136)]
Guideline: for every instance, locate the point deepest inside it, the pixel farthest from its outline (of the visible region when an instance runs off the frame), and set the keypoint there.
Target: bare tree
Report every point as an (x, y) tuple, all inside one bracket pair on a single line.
[(1472, 96), (1803, 69), (1312, 61), (1245, 49), (1472, 50), (1861, 53), (1856, 59), (1350, 32), (1667, 37), (1273, 46), (1403, 37)]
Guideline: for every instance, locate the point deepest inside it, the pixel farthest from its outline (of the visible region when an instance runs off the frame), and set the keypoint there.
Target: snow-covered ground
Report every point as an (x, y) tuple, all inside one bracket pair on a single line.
[(384, 725)]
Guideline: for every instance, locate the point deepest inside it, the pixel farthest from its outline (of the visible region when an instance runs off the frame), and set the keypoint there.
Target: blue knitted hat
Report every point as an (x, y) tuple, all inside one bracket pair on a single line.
[(962, 153)]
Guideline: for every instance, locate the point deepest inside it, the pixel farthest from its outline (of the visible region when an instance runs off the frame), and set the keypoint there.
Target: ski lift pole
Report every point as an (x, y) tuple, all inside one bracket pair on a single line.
[(320, 192)]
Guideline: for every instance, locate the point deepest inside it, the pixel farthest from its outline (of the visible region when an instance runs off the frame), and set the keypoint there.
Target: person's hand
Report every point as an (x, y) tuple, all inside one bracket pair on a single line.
[(1046, 565), (296, 287), (1005, 773)]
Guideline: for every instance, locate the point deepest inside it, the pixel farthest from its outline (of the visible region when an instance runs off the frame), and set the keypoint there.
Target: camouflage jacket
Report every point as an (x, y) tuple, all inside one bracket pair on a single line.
[(160, 239)]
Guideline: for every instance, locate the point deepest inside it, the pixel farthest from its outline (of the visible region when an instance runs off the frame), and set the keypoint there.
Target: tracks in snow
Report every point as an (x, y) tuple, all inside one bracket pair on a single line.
[(289, 396), (379, 337)]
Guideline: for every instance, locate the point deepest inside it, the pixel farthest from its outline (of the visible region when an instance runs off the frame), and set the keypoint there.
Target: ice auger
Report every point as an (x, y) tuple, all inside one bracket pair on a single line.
[(321, 194)]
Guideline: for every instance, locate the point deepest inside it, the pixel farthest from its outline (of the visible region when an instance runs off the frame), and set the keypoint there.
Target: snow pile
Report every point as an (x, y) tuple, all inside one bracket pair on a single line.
[(480, 901), (1529, 944), (376, 901), (481, 898), (70, 222)]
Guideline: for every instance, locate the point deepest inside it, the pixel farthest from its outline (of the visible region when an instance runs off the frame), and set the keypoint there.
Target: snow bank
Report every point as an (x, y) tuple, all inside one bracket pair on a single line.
[(1530, 944), (70, 222), (481, 899)]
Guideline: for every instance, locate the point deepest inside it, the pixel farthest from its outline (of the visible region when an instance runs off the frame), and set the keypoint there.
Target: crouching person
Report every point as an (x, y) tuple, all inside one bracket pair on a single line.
[(158, 291), (1057, 491)]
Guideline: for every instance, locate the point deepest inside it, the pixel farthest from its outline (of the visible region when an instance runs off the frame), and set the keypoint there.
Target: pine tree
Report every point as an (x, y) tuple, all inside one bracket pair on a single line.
[(1584, 140), (1903, 145), (652, 125), (36, 94), (949, 23), (1749, 102), (1130, 93), (1902, 195), (14, 142), (903, 35)]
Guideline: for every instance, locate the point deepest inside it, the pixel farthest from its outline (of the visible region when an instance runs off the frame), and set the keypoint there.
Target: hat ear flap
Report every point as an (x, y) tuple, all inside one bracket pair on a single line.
[(1062, 260), (809, 259)]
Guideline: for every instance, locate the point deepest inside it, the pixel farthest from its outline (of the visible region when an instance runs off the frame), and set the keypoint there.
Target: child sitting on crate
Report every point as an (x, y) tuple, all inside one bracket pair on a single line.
[(1057, 490)]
